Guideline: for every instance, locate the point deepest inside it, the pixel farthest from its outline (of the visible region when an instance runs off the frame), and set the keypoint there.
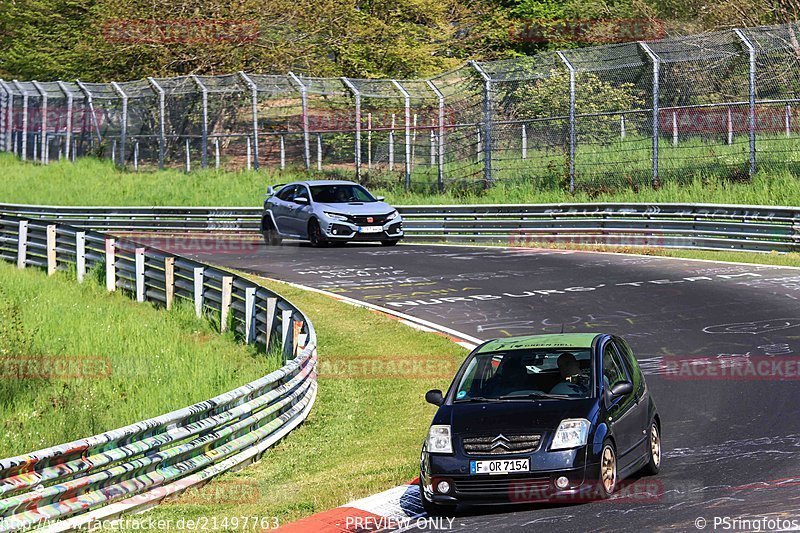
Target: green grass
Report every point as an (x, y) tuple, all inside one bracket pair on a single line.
[(363, 435), (94, 182), (140, 361)]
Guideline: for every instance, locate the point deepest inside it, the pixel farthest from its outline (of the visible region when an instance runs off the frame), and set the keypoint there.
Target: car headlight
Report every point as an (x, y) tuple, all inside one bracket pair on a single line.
[(571, 433), (439, 440), (393, 215), (336, 216)]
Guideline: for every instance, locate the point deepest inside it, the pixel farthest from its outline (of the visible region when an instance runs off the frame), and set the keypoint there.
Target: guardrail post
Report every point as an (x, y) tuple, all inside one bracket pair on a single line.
[(656, 75), (51, 249), (286, 328), (204, 130), (357, 97), (43, 151), (440, 147), (225, 303), (123, 132), (487, 124), (272, 306), (198, 291), (407, 111), (752, 98), (111, 268), (169, 281), (161, 120), (571, 70), (80, 255), (253, 114), (23, 149), (139, 255), (304, 104), (249, 315), (22, 244)]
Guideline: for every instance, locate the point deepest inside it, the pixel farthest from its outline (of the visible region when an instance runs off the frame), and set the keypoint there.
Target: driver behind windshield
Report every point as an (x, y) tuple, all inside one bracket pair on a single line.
[(573, 381)]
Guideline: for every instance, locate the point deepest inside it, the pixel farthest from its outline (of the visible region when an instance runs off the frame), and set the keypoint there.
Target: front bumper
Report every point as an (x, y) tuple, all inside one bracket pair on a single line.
[(347, 231), (538, 485)]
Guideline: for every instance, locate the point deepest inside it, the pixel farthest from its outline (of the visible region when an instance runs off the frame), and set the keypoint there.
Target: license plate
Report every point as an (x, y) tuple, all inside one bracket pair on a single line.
[(371, 229), (499, 466)]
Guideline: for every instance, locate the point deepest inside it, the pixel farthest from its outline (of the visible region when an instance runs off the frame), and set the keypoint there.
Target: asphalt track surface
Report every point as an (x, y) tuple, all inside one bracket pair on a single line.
[(731, 446)]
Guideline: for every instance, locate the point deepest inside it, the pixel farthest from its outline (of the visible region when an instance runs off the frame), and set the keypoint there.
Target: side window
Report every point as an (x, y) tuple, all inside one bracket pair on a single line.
[(287, 193), (631, 363), (301, 192), (613, 372)]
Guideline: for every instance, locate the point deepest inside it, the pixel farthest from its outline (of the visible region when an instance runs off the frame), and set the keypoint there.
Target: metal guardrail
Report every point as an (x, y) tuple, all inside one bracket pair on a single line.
[(134, 467), (703, 226)]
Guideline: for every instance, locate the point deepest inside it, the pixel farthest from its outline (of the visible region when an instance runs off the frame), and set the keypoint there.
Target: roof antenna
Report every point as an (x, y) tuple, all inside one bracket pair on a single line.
[(562, 327)]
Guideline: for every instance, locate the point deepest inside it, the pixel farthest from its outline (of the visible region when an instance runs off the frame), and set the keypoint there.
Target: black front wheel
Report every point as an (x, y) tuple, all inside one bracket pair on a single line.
[(315, 234), (270, 234)]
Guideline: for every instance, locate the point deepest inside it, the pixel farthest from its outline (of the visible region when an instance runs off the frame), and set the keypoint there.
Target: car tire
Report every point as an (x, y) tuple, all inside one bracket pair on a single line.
[(435, 509), (315, 236), (271, 236), (654, 447), (391, 242), (607, 475)]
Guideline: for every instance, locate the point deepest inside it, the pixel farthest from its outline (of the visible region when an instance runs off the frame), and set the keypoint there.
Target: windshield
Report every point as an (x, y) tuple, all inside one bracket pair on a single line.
[(340, 194), (527, 373)]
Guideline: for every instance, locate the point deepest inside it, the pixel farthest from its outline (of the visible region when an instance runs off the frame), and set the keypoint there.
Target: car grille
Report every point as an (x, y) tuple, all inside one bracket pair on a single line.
[(361, 220), (501, 444), (526, 488)]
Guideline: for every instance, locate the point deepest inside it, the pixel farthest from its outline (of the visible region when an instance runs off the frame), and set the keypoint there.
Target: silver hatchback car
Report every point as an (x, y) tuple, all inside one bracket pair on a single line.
[(324, 212)]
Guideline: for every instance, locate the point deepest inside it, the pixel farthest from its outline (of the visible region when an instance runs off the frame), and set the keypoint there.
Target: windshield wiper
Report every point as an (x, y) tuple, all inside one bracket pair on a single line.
[(478, 399), (532, 395)]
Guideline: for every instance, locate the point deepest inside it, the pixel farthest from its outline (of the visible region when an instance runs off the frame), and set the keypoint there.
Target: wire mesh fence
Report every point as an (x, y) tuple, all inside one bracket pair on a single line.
[(721, 104)]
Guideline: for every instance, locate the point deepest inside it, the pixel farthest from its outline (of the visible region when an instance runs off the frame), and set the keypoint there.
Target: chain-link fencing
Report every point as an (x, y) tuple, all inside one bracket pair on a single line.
[(721, 104)]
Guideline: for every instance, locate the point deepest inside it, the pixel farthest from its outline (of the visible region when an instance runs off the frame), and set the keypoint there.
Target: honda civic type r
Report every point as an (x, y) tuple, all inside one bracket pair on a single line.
[(539, 418), (325, 212)]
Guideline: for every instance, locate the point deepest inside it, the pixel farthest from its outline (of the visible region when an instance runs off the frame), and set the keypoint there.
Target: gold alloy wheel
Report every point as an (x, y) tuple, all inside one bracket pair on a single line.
[(655, 445), (608, 469)]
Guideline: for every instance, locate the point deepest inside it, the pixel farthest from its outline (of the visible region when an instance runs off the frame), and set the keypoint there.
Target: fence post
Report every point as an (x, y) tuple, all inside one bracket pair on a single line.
[(51, 249), (139, 256), (188, 162), (9, 116), (22, 244), (4, 100), (169, 281), (111, 268), (357, 97), (162, 126), (123, 132), (90, 103), (440, 148), (23, 150), (407, 111), (198, 291), (286, 328), (43, 126), (788, 119), (369, 141), (752, 98), (622, 126), (487, 124), (204, 130), (80, 255), (656, 74), (225, 303), (730, 125), (249, 315), (391, 144), (674, 128), (254, 114), (319, 152), (571, 70), (304, 103), (68, 132)]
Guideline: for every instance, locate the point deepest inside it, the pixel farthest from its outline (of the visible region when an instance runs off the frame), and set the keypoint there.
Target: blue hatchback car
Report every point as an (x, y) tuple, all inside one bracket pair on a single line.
[(324, 212)]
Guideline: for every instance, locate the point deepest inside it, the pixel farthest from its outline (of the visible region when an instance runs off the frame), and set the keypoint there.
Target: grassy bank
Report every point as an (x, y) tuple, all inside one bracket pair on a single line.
[(365, 431), (93, 182), (76, 361)]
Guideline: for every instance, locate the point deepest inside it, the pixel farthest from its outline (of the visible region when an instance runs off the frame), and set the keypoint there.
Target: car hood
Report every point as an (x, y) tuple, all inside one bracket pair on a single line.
[(513, 416), (358, 208)]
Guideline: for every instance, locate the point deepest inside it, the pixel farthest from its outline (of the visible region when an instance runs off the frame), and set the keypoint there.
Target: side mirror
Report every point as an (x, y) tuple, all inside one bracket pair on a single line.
[(380, 198), (621, 389), (301, 200), (270, 190), (434, 397)]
